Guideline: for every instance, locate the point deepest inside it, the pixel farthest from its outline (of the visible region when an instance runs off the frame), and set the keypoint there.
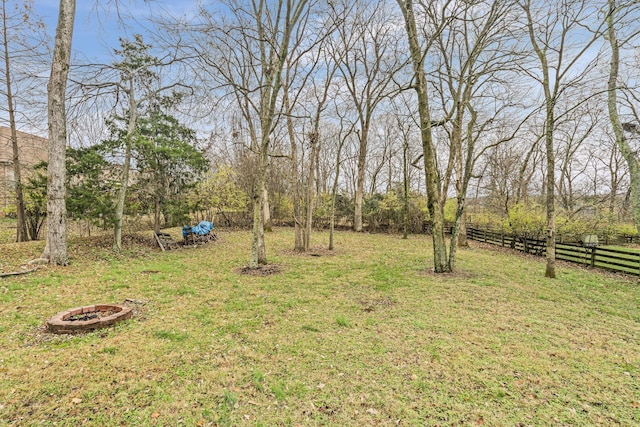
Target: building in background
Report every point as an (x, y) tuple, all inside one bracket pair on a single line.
[(32, 150)]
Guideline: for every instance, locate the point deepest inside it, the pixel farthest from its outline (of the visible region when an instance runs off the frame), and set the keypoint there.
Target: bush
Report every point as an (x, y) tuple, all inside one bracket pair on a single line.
[(626, 229), (526, 221)]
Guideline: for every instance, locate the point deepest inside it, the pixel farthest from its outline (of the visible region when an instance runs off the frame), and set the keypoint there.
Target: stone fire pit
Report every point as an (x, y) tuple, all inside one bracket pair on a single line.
[(87, 318)]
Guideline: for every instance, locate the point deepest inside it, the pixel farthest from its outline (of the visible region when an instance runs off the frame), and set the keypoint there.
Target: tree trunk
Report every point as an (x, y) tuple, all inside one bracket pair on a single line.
[(614, 181), (122, 195), (272, 65), (465, 173), (294, 178), (266, 210), (405, 188), (612, 103), (550, 196), (314, 139), (21, 229), (441, 264), (362, 158), (56, 246), (463, 242), (124, 182), (156, 211), (334, 193), (550, 99), (258, 250), (158, 186)]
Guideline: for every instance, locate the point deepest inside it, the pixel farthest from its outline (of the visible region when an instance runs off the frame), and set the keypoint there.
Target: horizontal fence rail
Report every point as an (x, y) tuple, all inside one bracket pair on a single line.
[(621, 260)]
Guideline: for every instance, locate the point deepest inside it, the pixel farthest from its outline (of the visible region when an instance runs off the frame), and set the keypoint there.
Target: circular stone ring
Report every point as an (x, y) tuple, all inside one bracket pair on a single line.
[(88, 318)]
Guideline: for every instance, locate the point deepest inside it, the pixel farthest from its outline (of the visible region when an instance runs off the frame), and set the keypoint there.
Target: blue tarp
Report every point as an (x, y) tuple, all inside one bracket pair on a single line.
[(202, 229)]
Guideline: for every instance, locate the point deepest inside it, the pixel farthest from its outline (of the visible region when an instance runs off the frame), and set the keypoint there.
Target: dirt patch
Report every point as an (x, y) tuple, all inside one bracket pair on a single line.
[(262, 270), (139, 308), (458, 274), (370, 305), (313, 252)]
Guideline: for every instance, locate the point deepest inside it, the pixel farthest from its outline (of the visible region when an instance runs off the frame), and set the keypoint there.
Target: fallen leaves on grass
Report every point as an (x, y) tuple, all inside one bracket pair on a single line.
[(435, 351), (372, 304)]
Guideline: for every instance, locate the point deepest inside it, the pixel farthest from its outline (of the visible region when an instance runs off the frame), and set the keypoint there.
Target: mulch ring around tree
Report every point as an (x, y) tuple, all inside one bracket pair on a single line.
[(261, 270)]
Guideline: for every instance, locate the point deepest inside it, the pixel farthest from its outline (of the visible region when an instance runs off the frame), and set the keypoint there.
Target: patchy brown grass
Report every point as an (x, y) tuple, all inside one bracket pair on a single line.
[(364, 337)]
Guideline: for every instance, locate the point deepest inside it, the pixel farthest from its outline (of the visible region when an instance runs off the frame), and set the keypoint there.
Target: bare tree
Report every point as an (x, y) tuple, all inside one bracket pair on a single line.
[(344, 132), (406, 127), (419, 45), (550, 26), (307, 86), (246, 52), (56, 246), (574, 129), (502, 187), (475, 56), (368, 63), (22, 42), (614, 17)]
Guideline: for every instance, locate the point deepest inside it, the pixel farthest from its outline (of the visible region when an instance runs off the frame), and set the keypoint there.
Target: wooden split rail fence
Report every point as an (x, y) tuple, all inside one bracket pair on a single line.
[(621, 260)]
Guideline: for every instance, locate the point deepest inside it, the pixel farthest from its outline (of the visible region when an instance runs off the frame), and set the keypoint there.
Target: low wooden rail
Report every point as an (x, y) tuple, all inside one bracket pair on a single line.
[(626, 261)]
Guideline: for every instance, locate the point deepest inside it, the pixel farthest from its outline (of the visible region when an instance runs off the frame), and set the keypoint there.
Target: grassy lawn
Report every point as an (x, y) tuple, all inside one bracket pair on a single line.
[(365, 336)]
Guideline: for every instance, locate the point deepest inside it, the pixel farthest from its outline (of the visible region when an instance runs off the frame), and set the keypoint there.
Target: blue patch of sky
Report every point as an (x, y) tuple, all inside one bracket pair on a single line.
[(100, 24)]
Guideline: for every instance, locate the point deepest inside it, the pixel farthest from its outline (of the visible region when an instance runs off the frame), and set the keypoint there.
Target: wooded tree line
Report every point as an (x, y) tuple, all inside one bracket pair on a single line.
[(382, 114)]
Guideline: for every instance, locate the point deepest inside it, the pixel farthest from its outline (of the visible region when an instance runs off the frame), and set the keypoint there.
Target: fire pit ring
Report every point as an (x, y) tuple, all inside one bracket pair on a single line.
[(87, 318)]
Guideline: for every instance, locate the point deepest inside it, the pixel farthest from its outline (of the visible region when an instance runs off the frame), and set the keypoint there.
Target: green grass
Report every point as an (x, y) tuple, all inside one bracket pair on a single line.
[(341, 320), (365, 336)]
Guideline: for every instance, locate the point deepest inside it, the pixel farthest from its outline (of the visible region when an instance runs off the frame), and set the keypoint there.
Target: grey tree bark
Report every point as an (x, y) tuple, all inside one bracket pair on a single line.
[(550, 34), (21, 229), (343, 135), (274, 49), (614, 117), (294, 175), (126, 166), (56, 245), (440, 261)]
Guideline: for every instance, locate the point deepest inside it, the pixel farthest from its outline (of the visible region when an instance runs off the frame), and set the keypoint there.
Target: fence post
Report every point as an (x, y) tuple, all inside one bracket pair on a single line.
[(485, 235), (593, 256), (502, 239)]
